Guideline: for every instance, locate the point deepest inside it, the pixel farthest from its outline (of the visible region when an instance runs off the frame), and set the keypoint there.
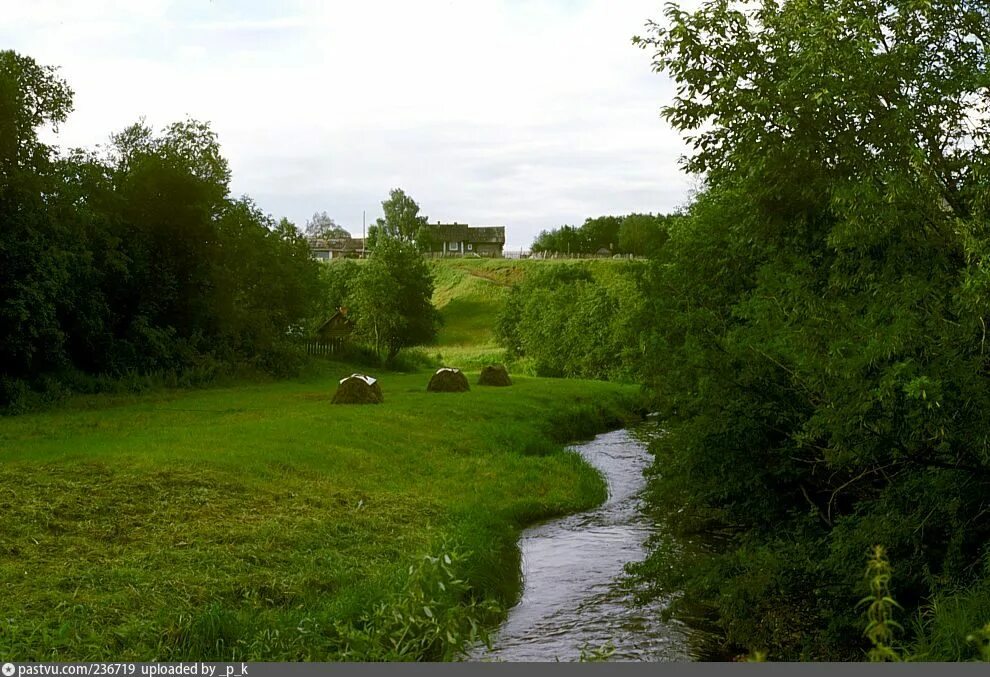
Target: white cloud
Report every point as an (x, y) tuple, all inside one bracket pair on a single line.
[(527, 114)]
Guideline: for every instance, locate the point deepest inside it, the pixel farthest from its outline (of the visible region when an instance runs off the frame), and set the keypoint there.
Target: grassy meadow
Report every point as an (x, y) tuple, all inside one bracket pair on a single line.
[(260, 522)]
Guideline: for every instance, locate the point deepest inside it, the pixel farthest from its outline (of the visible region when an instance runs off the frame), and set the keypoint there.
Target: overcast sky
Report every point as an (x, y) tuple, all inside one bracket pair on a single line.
[(524, 113)]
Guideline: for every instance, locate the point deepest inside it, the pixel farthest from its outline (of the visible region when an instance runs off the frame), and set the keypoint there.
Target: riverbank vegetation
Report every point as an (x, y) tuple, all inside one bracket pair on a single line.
[(813, 327), (818, 321)]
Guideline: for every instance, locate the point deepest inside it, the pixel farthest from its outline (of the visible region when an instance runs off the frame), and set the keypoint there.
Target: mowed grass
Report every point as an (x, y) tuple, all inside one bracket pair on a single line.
[(250, 522)]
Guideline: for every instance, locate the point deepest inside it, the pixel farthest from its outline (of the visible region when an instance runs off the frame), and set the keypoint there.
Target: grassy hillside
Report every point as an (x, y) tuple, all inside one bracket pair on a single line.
[(469, 302), (470, 293)]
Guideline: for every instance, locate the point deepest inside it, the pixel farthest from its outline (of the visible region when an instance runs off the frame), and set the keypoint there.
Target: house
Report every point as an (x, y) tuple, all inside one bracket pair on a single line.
[(460, 239), (336, 248)]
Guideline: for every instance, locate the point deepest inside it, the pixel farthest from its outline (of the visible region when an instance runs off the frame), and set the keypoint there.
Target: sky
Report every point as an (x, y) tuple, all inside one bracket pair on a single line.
[(525, 113)]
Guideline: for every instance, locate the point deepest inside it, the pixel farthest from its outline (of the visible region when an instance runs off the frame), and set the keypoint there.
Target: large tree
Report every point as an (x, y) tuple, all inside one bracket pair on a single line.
[(391, 299), (36, 251), (402, 220), (818, 323), (320, 225)]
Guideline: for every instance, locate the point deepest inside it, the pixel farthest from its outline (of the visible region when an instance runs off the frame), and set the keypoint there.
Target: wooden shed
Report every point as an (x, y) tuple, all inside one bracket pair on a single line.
[(332, 334)]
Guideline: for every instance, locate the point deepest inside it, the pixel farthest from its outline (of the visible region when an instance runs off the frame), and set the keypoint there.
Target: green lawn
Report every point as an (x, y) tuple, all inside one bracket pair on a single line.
[(247, 521), (261, 522)]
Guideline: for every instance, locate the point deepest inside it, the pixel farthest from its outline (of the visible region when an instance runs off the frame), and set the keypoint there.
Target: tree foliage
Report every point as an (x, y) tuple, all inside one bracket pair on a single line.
[(638, 234), (566, 320), (320, 225), (135, 258), (818, 319), (390, 298), (402, 220)]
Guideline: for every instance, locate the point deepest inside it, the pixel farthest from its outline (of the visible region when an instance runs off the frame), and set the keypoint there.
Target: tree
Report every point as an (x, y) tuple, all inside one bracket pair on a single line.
[(816, 332), (323, 227), (600, 233), (133, 258), (402, 220), (36, 251), (391, 299), (643, 234)]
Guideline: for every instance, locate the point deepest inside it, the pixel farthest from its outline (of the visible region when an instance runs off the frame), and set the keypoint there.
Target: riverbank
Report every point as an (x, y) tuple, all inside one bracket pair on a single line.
[(253, 522)]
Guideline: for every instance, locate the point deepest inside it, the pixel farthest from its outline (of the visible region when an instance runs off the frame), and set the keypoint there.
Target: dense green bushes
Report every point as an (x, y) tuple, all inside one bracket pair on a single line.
[(132, 259), (817, 341), (566, 320)]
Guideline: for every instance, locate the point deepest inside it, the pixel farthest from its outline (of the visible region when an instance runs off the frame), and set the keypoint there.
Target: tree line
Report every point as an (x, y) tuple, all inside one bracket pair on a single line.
[(135, 260), (636, 234)]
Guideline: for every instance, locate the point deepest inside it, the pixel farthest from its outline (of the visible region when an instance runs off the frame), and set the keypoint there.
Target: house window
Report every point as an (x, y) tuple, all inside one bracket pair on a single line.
[(454, 246), (470, 246)]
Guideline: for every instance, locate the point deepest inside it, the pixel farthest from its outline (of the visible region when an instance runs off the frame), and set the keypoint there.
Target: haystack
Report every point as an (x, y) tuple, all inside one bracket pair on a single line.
[(358, 389), (494, 375), (448, 380)]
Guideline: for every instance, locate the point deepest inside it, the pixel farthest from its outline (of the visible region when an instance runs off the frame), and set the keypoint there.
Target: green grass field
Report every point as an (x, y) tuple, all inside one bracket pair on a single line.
[(256, 521)]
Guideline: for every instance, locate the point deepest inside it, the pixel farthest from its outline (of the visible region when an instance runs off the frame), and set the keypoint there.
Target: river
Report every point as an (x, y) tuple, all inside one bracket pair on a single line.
[(575, 595)]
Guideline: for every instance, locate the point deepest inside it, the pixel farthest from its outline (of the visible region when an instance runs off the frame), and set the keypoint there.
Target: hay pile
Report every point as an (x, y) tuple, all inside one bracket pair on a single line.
[(494, 375), (448, 380), (358, 389)]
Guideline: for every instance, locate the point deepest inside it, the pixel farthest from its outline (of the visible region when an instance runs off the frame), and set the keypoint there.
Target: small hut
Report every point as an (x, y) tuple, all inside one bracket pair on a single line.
[(331, 335), (448, 380), (494, 375), (358, 389)]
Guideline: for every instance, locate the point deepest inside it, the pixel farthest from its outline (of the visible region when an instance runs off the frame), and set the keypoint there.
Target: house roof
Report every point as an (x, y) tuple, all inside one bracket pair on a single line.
[(339, 315), (487, 234), (337, 243), (461, 232), (451, 232)]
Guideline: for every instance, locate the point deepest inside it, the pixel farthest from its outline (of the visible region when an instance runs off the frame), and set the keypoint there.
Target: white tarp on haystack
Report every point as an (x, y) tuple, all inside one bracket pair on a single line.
[(370, 380)]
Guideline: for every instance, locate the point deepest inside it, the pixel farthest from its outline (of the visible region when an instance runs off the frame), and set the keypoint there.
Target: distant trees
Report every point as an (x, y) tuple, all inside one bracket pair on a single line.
[(644, 234), (134, 259), (638, 234), (322, 226)]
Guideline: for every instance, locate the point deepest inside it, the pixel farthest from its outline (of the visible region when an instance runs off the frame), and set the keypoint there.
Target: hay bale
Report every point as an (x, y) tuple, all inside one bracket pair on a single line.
[(358, 389), (448, 380), (494, 375)]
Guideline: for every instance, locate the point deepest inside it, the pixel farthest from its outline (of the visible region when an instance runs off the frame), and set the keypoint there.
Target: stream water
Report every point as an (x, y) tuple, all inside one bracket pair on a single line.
[(575, 594)]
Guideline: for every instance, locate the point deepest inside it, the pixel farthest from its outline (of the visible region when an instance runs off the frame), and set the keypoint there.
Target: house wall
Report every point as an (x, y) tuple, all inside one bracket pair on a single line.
[(488, 249)]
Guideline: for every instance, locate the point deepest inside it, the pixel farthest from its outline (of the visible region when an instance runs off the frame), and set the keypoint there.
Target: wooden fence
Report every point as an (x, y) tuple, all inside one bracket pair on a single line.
[(324, 348)]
